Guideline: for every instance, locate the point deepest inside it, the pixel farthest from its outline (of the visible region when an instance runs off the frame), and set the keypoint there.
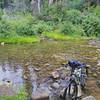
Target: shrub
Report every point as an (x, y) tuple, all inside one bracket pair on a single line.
[(54, 12), (91, 25), (70, 29), (41, 27), (66, 28), (24, 29), (75, 16), (6, 30), (23, 25), (95, 11)]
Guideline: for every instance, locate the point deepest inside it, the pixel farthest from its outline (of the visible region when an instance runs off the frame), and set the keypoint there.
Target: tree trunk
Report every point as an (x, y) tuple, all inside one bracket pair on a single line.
[(39, 6), (36, 6), (50, 2), (98, 2), (6, 3)]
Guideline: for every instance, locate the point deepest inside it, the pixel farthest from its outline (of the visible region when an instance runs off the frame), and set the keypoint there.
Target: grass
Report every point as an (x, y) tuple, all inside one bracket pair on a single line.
[(61, 36), (24, 39), (19, 96), (36, 38)]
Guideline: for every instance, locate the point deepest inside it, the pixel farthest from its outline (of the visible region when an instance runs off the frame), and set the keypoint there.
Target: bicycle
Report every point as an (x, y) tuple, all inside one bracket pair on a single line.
[(77, 79)]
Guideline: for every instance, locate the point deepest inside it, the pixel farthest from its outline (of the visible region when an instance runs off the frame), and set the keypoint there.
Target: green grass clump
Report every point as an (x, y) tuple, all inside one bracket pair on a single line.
[(61, 36), (19, 96), (58, 36), (19, 39)]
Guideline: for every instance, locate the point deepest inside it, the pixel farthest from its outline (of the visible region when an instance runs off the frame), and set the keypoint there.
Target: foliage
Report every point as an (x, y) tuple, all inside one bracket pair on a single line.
[(67, 17), (54, 13), (41, 27), (24, 29), (91, 25), (6, 30), (70, 29), (76, 4), (95, 11), (75, 16)]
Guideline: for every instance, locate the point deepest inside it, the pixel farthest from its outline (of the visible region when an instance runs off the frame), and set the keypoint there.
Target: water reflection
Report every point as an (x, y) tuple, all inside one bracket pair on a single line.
[(19, 76), (9, 73)]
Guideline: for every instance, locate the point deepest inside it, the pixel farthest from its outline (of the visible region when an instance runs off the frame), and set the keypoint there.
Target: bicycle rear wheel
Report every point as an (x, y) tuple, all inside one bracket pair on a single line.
[(71, 91)]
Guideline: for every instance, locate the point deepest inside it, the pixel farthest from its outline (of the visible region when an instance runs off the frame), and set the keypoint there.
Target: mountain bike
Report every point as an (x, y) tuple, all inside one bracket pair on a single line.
[(77, 79)]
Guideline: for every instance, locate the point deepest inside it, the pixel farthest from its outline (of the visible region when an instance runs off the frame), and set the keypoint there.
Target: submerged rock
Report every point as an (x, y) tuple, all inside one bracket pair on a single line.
[(37, 69), (40, 95), (55, 85), (98, 83), (98, 65), (55, 74), (89, 98), (6, 90)]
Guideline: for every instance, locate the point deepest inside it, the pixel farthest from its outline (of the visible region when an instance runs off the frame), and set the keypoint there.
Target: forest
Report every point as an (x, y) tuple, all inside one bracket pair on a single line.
[(21, 18)]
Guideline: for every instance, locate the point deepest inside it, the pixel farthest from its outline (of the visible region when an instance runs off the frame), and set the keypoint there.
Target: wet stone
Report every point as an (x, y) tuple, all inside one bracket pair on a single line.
[(62, 92), (55, 85), (89, 98), (88, 66), (55, 97), (47, 65), (37, 69), (98, 65), (2, 43), (40, 95), (6, 90), (94, 75), (98, 82), (55, 74)]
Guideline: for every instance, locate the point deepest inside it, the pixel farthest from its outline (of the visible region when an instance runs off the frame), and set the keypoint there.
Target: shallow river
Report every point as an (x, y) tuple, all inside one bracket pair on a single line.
[(18, 61)]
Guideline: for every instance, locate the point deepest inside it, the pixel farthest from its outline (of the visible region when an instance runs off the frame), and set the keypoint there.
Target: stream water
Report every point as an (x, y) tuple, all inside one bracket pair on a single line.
[(18, 62)]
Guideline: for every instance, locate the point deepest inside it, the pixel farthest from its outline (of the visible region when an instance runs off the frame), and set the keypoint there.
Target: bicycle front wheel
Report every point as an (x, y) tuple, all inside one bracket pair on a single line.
[(71, 91)]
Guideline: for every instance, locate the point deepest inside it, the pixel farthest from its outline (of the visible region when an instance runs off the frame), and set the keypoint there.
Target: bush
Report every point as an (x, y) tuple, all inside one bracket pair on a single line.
[(75, 16), (6, 30), (70, 29), (53, 13), (41, 27), (91, 25), (24, 29), (95, 11), (23, 25)]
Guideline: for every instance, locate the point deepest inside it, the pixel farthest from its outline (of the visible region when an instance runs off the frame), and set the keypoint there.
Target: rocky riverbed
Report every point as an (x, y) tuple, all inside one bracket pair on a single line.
[(39, 68)]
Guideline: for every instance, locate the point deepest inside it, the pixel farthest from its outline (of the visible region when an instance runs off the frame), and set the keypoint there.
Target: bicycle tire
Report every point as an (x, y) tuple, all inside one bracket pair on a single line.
[(67, 93), (82, 80)]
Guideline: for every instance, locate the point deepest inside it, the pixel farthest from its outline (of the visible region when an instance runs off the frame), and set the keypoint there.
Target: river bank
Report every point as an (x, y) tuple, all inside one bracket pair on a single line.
[(42, 37)]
